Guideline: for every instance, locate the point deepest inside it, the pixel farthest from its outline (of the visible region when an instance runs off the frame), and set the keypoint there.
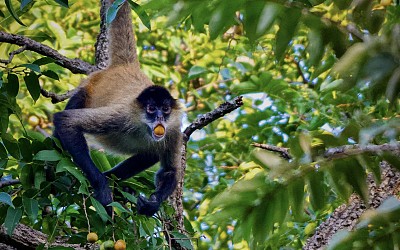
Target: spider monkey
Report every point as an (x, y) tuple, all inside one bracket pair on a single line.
[(126, 113)]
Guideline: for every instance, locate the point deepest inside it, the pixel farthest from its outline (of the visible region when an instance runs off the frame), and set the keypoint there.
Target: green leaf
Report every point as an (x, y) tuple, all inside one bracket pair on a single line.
[(25, 3), (355, 175), (6, 198), (287, 28), (25, 149), (101, 211), (32, 83), (245, 88), (316, 188), (113, 10), (12, 85), (31, 207), (31, 66), (141, 14), (58, 32), (51, 74), (268, 16), (296, 197), (253, 11), (182, 240), (63, 3), (393, 86), (48, 155), (223, 17), (100, 160), (118, 206), (3, 152), (12, 219), (196, 71), (129, 196), (43, 61), (26, 176), (4, 119), (13, 13), (12, 146)]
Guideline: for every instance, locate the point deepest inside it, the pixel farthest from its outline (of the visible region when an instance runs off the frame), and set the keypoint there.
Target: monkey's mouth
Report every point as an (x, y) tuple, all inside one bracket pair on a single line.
[(158, 132)]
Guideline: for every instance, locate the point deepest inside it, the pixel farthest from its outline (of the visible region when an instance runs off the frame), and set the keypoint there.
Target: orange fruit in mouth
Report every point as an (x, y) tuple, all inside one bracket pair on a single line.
[(159, 130)]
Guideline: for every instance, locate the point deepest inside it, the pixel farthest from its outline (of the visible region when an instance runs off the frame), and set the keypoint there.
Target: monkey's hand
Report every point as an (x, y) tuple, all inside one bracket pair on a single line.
[(149, 206)]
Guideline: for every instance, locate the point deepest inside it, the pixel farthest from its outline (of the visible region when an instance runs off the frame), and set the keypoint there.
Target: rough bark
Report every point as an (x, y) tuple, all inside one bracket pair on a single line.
[(25, 237), (347, 215)]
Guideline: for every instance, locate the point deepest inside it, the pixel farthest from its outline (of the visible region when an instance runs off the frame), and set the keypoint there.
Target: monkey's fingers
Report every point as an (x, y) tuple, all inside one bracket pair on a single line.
[(146, 206)]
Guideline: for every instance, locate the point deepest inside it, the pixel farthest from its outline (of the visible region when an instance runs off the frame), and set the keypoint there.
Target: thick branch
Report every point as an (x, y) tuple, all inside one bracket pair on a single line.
[(346, 150), (25, 237), (76, 65), (209, 117)]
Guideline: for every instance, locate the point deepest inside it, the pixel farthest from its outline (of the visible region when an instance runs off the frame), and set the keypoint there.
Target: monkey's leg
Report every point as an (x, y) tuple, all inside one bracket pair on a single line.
[(133, 166), (165, 186), (70, 128)]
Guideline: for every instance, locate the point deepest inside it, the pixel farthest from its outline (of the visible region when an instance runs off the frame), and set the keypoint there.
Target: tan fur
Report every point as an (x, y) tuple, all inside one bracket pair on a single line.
[(121, 38), (115, 85)]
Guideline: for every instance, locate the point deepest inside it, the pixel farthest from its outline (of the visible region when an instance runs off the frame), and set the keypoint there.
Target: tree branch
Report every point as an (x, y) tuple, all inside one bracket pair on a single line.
[(76, 65), (284, 152), (56, 98), (347, 150), (12, 54), (6, 183), (338, 152), (209, 117)]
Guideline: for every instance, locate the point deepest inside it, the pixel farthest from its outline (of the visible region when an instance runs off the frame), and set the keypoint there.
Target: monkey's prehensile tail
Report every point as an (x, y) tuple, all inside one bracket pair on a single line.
[(122, 41)]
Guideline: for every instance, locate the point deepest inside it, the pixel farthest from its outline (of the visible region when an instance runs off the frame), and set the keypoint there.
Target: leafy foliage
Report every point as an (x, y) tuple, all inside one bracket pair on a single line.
[(314, 74)]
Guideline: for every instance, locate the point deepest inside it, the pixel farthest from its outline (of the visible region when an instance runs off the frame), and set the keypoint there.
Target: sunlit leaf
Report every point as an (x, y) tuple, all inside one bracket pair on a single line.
[(141, 14)]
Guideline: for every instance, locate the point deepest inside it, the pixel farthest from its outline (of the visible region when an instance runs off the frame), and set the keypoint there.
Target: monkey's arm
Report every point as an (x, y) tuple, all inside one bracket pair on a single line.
[(133, 165), (165, 184), (70, 126)]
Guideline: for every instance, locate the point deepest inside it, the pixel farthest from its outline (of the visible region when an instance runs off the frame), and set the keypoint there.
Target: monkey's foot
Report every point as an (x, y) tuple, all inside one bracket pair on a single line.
[(146, 206)]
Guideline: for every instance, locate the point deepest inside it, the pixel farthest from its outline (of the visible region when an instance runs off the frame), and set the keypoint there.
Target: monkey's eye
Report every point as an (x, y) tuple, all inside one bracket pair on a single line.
[(166, 109), (150, 109)]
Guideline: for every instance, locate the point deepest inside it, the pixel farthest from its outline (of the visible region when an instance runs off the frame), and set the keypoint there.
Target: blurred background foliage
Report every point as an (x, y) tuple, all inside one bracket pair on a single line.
[(314, 74)]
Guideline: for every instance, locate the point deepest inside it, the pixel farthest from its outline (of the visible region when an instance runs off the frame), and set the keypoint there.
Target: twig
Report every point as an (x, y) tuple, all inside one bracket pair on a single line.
[(300, 71), (339, 152), (7, 183), (347, 150), (56, 98), (209, 117), (12, 54), (76, 65), (284, 152)]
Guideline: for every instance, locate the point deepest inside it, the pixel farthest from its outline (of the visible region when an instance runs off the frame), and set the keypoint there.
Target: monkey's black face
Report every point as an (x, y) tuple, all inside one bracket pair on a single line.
[(157, 103)]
